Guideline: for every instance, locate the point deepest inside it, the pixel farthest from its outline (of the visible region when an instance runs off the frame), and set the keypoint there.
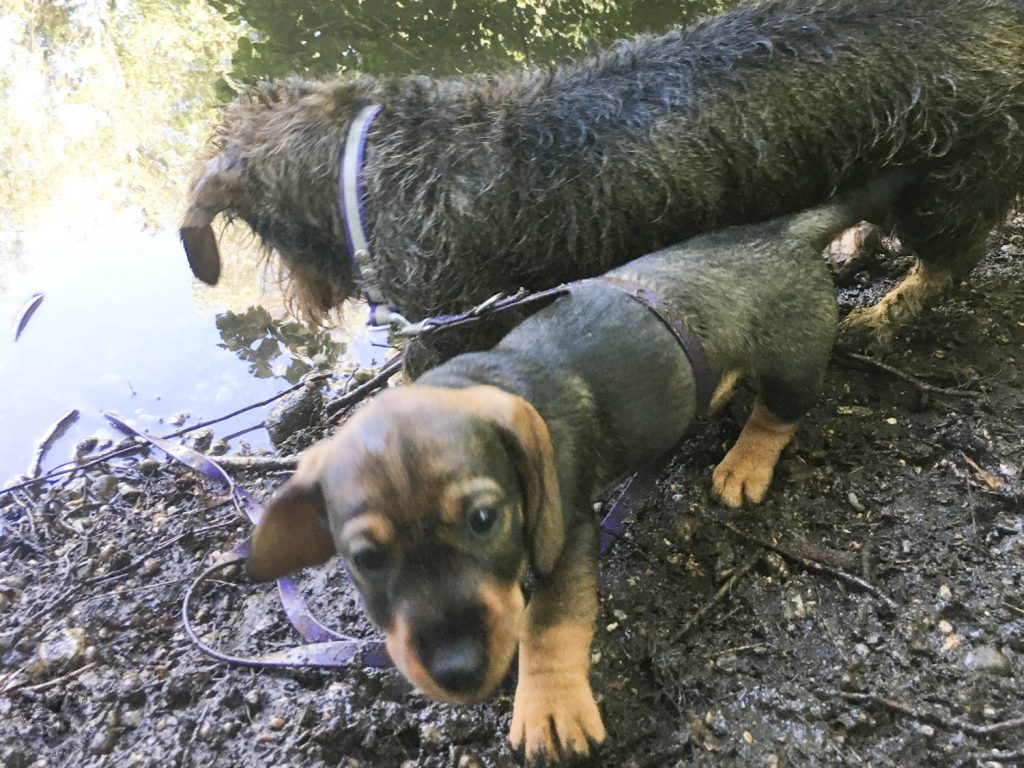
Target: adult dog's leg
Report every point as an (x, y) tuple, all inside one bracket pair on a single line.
[(945, 220)]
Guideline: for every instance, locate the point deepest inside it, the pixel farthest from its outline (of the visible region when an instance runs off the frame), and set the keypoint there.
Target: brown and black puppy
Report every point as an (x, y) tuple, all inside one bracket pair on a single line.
[(440, 495)]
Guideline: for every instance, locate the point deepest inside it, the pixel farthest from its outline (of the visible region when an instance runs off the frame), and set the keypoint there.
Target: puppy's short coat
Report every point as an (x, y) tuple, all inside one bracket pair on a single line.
[(440, 495)]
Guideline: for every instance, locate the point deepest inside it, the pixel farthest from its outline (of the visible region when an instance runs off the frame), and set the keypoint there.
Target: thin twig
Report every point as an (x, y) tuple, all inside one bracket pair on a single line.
[(53, 434), (934, 718), (724, 590), (910, 378), (336, 407), (27, 689), (814, 565), (63, 469)]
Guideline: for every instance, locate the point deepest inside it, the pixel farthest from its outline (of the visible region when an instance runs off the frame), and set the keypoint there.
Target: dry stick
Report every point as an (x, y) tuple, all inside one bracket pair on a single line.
[(63, 469), (260, 463), (814, 565), (933, 718), (910, 378), (724, 590), (55, 432), (23, 689), (335, 408)]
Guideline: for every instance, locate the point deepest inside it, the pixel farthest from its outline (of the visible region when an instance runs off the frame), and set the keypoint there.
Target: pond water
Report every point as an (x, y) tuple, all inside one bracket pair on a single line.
[(107, 106)]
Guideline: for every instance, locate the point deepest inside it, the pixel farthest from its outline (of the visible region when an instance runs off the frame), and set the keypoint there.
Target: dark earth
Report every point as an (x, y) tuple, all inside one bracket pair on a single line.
[(870, 613)]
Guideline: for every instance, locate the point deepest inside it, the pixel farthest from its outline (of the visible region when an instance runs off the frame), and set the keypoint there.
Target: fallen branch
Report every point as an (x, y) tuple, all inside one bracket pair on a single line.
[(31, 689), (335, 408), (259, 463), (814, 565), (909, 378), (52, 436), (934, 718)]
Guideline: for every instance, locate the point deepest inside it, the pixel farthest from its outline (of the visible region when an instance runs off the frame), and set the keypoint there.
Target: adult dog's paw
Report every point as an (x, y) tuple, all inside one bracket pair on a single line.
[(555, 718)]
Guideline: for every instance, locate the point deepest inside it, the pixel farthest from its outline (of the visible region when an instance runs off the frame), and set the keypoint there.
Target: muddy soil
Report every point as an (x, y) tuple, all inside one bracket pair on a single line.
[(871, 612)]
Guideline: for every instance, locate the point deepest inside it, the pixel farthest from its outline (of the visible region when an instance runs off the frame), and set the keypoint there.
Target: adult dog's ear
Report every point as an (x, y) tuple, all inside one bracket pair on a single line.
[(294, 532), (526, 436), (217, 188)]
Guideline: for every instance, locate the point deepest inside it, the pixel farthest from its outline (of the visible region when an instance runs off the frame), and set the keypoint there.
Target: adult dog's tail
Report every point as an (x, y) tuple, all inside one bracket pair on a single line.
[(871, 201)]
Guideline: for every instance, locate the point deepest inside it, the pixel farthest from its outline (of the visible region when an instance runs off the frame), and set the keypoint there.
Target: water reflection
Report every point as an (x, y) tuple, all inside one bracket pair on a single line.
[(434, 36), (106, 106), (279, 346)]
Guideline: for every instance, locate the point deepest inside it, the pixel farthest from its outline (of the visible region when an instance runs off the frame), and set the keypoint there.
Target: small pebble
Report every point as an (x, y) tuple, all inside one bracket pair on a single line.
[(151, 566), (202, 439), (219, 447), (945, 627), (277, 722), (105, 487), (945, 593), (149, 466), (102, 743), (985, 658), (431, 734), (854, 502), (86, 446), (230, 728), (129, 492)]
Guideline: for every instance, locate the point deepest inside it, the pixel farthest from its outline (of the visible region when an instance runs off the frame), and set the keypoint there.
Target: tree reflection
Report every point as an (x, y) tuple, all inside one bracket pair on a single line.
[(433, 36), (277, 347)]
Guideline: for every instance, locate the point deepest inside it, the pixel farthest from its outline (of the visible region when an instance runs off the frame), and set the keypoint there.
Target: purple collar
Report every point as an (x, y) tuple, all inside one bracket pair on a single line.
[(350, 197)]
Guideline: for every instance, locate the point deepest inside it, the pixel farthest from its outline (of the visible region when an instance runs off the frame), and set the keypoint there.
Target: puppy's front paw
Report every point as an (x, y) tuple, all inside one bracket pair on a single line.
[(555, 717), (741, 477)]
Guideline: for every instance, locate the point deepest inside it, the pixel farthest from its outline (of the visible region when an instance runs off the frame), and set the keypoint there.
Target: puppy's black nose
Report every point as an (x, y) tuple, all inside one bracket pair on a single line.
[(458, 665)]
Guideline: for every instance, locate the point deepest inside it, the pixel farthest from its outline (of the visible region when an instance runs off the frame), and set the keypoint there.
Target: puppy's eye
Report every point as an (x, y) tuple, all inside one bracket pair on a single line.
[(369, 559), (483, 520)]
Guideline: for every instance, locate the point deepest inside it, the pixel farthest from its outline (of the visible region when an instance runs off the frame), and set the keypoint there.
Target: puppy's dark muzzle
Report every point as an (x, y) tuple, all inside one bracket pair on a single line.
[(454, 651)]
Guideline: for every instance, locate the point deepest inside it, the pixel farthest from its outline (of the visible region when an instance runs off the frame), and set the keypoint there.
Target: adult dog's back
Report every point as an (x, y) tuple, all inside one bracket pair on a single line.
[(479, 184)]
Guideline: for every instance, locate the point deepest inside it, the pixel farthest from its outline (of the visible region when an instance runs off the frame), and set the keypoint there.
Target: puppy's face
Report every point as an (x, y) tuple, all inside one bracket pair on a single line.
[(437, 499)]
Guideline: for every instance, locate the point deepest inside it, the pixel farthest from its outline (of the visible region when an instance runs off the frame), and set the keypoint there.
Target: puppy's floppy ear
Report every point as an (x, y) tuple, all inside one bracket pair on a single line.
[(294, 532), (218, 187), (526, 435)]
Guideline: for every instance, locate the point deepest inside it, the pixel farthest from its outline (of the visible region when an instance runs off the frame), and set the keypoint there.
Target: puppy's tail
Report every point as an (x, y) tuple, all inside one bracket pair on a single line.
[(871, 201)]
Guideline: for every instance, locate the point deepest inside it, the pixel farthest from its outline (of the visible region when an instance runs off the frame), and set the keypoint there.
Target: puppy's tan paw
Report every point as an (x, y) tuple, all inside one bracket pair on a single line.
[(740, 478), (555, 718)]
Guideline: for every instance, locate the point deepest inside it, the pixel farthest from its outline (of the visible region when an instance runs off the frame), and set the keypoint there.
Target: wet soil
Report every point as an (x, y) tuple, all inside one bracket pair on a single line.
[(871, 612)]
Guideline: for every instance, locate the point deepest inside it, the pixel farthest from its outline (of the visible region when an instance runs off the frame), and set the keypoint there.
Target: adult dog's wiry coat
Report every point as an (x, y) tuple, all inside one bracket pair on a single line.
[(479, 184)]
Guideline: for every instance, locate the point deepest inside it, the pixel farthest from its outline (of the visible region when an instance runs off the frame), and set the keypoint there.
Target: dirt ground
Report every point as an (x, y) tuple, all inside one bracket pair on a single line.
[(870, 613)]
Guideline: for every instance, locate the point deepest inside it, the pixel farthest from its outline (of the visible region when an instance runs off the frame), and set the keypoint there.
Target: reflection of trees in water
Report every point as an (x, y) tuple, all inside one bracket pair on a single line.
[(312, 37), (104, 103), (277, 347)]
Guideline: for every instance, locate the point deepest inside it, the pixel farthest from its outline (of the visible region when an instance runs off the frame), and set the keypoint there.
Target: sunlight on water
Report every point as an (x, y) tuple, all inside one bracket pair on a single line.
[(107, 104), (98, 150)]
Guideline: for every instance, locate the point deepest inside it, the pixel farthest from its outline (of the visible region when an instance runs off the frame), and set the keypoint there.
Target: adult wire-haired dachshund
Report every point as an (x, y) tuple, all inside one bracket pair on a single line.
[(472, 185)]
